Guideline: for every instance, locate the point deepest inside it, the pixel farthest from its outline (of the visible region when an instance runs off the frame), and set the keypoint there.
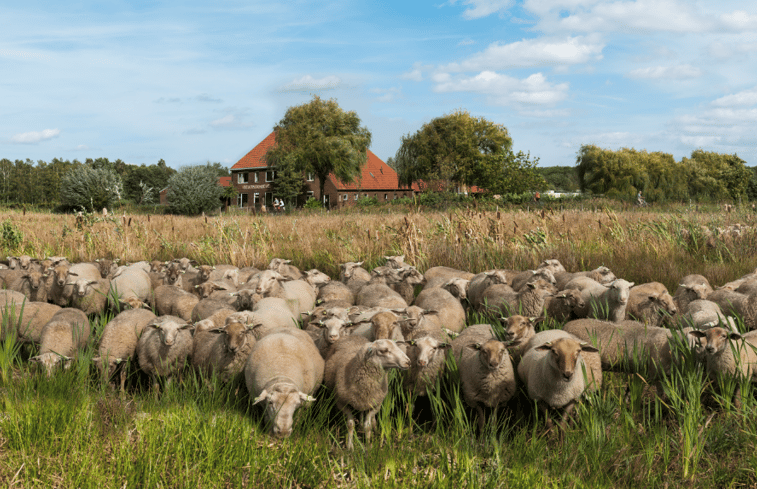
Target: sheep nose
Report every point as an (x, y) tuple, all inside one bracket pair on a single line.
[(422, 363), (567, 376), (710, 349)]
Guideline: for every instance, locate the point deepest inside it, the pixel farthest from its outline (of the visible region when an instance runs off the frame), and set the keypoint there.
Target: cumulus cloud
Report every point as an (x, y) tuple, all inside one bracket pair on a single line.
[(740, 99), (35, 137), (483, 8), (503, 89), (531, 53), (679, 72), (307, 84)]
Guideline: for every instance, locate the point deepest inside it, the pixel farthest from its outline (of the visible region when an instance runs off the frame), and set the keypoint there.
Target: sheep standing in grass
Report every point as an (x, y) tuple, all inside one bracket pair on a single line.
[(602, 302), (130, 287), (487, 376), (336, 294), (283, 370), (62, 337), (383, 325), (31, 283), (354, 276), (377, 292), (118, 343), (165, 347), (481, 282), (562, 306), (427, 350), (692, 287), (299, 294), (518, 331), (557, 368), (651, 304), (730, 353), (174, 301), (356, 371), (449, 312), (56, 285), (286, 269), (223, 350), (28, 319), (737, 304), (93, 297)]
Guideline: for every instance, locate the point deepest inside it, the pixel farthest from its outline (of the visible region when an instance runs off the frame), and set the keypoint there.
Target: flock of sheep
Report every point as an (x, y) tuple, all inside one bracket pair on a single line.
[(287, 332)]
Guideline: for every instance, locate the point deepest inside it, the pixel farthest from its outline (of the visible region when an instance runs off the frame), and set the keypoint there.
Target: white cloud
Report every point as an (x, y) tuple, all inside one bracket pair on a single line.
[(35, 137), (466, 42), (503, 89), (531, 53), (679, 72), (308, 83), (234, 119), (82, 147), (387, 94), (740, 99), (483, 8), (739, 20)]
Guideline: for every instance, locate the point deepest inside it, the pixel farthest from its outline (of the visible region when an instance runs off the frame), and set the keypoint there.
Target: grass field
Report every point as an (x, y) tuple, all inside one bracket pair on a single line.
[(74, 431)]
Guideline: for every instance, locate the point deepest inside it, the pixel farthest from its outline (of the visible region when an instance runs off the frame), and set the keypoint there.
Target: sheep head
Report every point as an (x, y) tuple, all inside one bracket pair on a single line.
[(282, 400), (564, 354), (387, 354), (492, 353)]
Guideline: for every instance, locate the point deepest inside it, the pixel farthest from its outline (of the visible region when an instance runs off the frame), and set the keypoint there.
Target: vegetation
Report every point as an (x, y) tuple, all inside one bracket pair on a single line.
[(193, 190), (73, 431), (89, 188), (564, 178), (320, 138)]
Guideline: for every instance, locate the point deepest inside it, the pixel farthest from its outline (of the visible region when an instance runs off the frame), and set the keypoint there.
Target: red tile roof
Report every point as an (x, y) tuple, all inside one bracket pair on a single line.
[(375, 175), (224, 181)]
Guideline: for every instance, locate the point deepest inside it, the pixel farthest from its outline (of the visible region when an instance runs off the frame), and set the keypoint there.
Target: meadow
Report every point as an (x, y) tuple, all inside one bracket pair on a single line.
[(73, 430)]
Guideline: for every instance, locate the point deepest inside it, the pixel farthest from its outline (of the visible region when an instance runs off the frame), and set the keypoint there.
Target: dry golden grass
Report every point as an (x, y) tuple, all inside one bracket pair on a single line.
[(639, 246)]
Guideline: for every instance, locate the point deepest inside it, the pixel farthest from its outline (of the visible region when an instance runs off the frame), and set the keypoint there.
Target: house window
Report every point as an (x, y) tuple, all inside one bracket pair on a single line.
[(256, 177), (345, 197), (242, 200), (268, 199), (311, 177), (256, 198), (270, 175), (356, 194), (386, 196), (241, 177)]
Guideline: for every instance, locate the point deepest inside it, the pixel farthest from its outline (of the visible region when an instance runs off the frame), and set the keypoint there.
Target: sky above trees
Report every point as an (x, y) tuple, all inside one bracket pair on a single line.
[(191, 82)]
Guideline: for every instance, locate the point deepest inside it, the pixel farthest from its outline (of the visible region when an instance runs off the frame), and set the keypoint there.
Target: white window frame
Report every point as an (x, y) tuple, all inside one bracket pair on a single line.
[(242, 177), (256, 198), (311, 177), (345, 197), (272, 175), (256, 177)]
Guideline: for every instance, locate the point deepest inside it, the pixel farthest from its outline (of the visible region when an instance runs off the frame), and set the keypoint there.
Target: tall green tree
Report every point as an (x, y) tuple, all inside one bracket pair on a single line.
[(194, 189), (457, 148), (89, 188), (319, 137)]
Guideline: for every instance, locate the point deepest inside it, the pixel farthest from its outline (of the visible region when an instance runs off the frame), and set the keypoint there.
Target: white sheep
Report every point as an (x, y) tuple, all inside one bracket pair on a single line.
[(449, 311), (223, 350), (26, 318), (62, 337), (91, 296), (737, 304), (170, 300), (283, 370), (298, 293), (704, 314), (165, 347), (131, 286), (427, 349), (691, 287), (286, 269), (603, 302), (481, 282), (651, 304), (601, 274), (357, 373)]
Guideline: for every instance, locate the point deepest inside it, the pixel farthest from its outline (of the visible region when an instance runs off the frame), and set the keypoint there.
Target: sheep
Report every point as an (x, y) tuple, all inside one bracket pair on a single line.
[(603, 302), (285, 269), (107, 267), (503, 300), (651, 304), (215, 290), (11, 297), (354, 276), (427, 351), (383, 325), (157, 266), (316, 279), (736, 304), (244, 274), (520, 280), (397, 261), (557, 368), (553, 265), (227, 273), (192, 279), (721, 346), (449, 312), (31, 283), (704, 314), (562, 306), (268, 314), (23, 262), (356, 371), (78, 276), (131, 286), (223, 350), (436, 275), (692, 287), (326, 332), (283, 370), (487, 376), (56, 284), (185, 264), (458, 287), (118, 343), (27, 319), (336, 293), (481, 282), (66, 333), (93, 297), (172, 300), (173, 274), (602, 275), (207, 307), (298, 293), (518, 331), (409, 278), (165, 347)]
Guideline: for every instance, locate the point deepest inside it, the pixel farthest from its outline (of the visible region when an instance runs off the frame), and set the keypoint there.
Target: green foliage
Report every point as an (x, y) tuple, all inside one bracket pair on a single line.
[(154, 177), (194, 189), (321, 138), (89, 188), (366, 201), (289, 182), (313, 203), (456, 148), (751, 190), (514, 173), (563, 178), (718, 176), (11, 236)]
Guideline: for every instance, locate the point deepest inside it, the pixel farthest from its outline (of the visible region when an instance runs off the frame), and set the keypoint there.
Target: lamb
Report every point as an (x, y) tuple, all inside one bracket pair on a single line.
[(172, 300), (692, 287), (131, 287), (722, 345), (283, 370), (449, 312), (92, 298), (223, 350), (487, 376), (118, 343), (602, 274), (285, 269), (64, 335), (215, 290), (651, 304), (602, 302), (562, 306), (736, 304), (173, 274), (356, 371), (298, 293), (165, 347), (481, 282), (157, 266), (26, 319), (427, 352), (557, 368)]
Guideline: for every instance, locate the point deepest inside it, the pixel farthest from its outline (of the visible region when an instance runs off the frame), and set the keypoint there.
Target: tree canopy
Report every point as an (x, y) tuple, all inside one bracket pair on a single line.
[(90, 188), (194, 189), (457, 148), (320, 138)]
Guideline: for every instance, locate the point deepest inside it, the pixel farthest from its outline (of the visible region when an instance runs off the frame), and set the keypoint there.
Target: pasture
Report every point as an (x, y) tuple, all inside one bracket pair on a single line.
[(74, 431)]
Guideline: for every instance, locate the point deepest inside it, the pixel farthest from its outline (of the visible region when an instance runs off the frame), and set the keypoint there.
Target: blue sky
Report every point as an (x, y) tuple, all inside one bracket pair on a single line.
[(191, 82)]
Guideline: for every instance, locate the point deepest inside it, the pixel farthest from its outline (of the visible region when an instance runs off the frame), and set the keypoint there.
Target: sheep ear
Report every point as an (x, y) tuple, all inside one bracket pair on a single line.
[(698, 334), (546, 346), (261, 397), (475, 346), (306, 398), (588, 348), (735, 336)]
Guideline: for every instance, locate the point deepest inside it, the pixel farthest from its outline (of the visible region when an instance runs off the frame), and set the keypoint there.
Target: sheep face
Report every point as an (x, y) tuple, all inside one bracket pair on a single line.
[(157, 266), (61, 274), (268, 281), (237, 335), (564, 354), (81, 285), (207, 288), (663, 304), (518, 329), (316, 277), (572, 298), (458, 287), (36, 279), (492, 353), (169, 330), (173, 274), (426, 348), (277, 263), (348, 269), (245, 299), (50, 360), (333, 329), (552, 265), (718, 339), (282, 400), (107, 267), (204, 272), (183, 263), (604, 275), (387, 354), (384, 325), (25, 262), (412, 276), (621, 290)]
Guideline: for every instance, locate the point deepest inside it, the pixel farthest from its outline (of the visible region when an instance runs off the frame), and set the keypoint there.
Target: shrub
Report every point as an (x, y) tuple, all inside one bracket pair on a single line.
[(193, 190), (90, 189), (10, 236), (312, 203)]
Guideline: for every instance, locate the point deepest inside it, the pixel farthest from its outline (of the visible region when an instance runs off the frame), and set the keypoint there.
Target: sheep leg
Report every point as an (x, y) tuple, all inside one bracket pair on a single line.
[(737, 397), (543, 407), (566, 414), (123, 378), (369, 419), (350, 423), (481, 418)]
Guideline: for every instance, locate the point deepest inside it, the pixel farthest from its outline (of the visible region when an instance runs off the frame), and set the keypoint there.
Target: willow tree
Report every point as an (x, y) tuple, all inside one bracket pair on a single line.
[(320, 138), (457, 148)]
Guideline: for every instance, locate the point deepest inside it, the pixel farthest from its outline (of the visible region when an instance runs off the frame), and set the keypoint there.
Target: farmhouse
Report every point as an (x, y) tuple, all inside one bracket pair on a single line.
[(255, 181)]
